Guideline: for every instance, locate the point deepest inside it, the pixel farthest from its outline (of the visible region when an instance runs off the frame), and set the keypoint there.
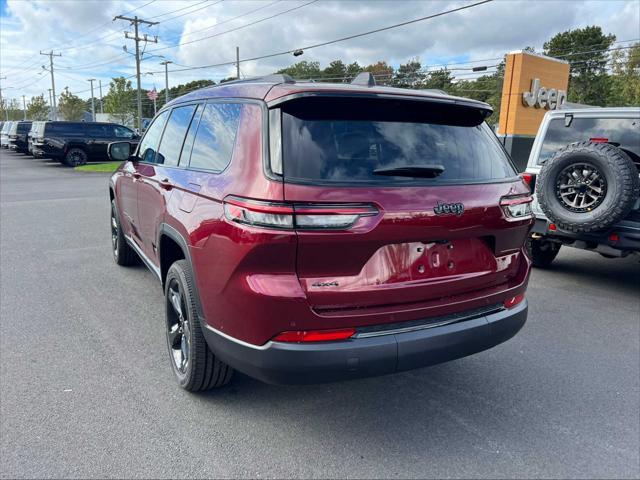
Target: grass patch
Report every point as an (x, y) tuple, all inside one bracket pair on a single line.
[(99, 167)]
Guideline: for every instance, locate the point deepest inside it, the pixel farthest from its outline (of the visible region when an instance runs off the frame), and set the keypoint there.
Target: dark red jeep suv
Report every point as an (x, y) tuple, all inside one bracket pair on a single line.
[(311, 232)]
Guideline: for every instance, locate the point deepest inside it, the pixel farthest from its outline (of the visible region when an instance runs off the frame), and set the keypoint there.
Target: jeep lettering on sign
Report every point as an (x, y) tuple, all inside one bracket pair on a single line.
[(541, 97)]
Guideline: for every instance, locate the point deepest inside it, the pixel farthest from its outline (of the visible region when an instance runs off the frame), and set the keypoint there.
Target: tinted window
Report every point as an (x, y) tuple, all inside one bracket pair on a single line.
[(191, 136), (344, 146), (213, 145), (119, 131), (96, 130), (174, 134), (63, 128), (624, 132), (24, 127), (149, 144)]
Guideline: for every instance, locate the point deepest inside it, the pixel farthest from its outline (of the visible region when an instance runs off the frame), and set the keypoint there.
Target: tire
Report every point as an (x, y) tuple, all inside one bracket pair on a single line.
[(194, 365), (75, 157), (542, 252), (123, 254), (599, 185)]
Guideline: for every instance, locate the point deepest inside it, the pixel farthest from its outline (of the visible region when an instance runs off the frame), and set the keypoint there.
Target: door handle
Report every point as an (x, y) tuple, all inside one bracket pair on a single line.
[(166, 184), (136, 175)]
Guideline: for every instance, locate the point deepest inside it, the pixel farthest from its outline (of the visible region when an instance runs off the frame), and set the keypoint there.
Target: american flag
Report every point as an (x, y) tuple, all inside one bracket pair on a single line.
[(152, 94)]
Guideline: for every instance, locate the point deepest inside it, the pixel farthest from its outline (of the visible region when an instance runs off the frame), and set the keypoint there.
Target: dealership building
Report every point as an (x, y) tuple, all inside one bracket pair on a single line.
[(533, 84)]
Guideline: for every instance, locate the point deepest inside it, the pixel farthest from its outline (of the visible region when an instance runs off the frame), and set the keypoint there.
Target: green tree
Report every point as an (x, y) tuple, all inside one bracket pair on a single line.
[(586, 50), (625, 77), (335, 72), (11, 110), (409, 75), (381, 71), (303, 70), (439, 80), (70, 106), (37, 108), (120, 102)]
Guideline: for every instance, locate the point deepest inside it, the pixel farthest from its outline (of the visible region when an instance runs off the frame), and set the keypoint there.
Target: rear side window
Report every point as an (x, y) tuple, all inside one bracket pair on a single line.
[(63, 129), (149, 144), (622, 132), (173, 137), (24, 127), (213, 145), (96, 131), (336, 142)]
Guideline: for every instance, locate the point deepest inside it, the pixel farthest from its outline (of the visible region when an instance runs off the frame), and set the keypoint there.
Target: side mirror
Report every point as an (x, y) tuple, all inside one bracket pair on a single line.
[(119, 151)]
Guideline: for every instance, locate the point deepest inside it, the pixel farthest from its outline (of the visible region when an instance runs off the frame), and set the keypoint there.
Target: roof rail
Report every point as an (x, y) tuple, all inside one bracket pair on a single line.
[(364, 79), (273, 78)]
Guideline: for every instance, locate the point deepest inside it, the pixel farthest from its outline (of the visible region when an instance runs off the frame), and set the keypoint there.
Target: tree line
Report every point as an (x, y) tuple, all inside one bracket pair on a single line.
[(600, 75)]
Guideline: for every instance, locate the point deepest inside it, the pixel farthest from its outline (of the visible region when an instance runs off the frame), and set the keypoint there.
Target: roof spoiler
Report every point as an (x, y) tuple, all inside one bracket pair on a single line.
[(364, 79)]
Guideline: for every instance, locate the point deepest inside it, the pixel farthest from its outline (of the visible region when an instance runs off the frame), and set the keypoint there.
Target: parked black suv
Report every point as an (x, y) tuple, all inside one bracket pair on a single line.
[(18, 136), (76, 143)]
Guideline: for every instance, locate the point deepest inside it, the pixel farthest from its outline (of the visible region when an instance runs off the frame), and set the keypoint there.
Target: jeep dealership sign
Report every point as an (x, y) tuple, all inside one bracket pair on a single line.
[(541, 97)]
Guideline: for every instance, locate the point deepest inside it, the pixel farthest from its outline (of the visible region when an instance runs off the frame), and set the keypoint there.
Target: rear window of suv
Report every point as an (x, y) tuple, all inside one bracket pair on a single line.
[(334, 141), (622, 132)]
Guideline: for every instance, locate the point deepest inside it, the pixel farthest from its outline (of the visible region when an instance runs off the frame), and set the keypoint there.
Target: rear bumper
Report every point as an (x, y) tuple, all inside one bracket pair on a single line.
[(296, 363), (628, 234)]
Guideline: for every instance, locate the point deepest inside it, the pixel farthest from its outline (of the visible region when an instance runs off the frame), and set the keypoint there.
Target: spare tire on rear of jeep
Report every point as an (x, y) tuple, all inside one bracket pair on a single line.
[(586, 187)]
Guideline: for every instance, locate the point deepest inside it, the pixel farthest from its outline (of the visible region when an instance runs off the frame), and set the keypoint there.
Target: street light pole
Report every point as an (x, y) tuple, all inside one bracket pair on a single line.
[(50, 116), (100, 86), (237, 63), (24, 108), (93, 105), (136, 22), (166, 79)]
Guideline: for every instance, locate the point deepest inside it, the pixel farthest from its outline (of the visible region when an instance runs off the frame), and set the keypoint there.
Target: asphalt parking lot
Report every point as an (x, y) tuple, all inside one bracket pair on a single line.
[(86, 389)]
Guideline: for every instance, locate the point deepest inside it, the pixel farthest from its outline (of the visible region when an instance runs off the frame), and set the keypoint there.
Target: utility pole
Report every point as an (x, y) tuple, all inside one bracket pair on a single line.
[(24, 108), (93, 105), (135, 21), (237, 63), (166, 79), (53, 82), (100, 85), (6, 110), (50, 111)]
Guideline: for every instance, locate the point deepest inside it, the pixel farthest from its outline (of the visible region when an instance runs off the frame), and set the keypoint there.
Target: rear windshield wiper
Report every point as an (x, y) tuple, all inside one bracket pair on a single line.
[(422, 171)]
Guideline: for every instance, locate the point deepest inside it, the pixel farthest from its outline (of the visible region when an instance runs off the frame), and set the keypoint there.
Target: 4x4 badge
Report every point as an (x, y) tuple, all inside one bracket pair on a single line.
[(443, 208)]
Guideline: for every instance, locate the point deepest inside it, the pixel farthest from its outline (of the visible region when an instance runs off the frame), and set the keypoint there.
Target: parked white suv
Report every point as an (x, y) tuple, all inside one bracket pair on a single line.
[(584, 168)]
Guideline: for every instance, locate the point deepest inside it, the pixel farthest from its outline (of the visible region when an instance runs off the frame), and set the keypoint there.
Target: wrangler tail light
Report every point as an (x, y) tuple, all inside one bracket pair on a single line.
[(517, 207), (304, 336), (289, 216)]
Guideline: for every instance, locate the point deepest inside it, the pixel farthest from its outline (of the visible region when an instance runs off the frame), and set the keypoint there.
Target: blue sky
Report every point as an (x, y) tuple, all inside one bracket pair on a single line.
[(203, 32)]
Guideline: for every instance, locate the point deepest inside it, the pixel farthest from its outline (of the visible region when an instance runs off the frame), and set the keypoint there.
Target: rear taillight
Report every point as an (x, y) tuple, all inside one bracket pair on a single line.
[(513, 301), (599, 140), (517, 207), (527, 178), (301, 216), (305, 336)]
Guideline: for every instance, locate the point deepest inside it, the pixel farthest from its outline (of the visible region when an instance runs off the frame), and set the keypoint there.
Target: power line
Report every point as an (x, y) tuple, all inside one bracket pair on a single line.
[(237, 28), (231, 19), (309, 47)]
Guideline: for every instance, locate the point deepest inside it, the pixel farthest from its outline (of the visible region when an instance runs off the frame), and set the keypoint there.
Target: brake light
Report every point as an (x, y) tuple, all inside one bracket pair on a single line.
[(513, 301), (527, 178), (288, 216), (517, 207), (304, 336), (614, 237), (599, 140), (552, 227)]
